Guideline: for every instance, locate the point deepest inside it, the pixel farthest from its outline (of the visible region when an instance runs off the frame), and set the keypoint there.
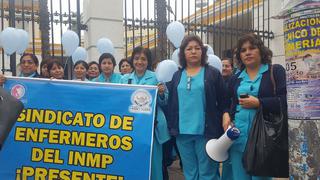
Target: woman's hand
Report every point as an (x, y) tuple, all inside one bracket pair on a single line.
[(2, 79), (161, 89), (226, 121), (250, 102)]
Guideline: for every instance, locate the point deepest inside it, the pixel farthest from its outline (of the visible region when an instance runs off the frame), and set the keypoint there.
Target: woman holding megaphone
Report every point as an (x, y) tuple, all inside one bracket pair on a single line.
[(197, 103), (251, 89)]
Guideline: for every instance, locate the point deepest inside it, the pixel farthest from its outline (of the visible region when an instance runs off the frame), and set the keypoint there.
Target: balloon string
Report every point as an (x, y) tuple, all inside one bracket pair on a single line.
[(65, 64)]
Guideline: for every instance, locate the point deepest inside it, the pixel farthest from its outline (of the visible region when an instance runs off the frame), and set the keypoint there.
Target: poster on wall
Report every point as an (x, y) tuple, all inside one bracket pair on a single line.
[(302, 51)]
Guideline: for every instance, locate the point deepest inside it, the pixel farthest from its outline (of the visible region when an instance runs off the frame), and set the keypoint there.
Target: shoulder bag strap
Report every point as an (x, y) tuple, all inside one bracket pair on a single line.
[(272, 80)]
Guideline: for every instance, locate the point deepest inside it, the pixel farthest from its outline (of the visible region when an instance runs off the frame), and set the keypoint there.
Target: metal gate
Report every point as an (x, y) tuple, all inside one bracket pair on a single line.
[(219, 23), (45, 21)]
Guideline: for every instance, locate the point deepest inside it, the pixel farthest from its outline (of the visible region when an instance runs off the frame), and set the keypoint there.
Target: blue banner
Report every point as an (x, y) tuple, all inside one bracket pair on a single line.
[(75, 130)]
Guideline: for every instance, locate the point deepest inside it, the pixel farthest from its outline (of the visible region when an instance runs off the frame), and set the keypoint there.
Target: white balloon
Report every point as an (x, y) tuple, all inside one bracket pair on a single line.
[(209, 49), (79, 54), (215, 61), (105, 45), (165, 70), (175, 56), (175, 33), (9, 40), (70, 42), (23, 41)]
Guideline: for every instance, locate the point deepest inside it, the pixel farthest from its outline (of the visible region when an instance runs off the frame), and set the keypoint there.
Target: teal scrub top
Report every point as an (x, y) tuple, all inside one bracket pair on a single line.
[(191, 96), (244, 117), (115, 78), (31, 75), (149, 78)]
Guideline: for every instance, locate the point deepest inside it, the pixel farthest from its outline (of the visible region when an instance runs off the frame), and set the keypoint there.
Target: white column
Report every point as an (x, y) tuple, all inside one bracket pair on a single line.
[(104, 19)]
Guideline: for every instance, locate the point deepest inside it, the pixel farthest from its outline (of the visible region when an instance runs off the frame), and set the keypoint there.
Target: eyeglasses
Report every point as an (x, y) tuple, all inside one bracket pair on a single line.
[(27, 62), (189, 83)]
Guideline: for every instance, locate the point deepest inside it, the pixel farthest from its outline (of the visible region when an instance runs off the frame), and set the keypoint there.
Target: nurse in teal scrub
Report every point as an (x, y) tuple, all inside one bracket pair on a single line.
[(107, 64), (141, 60), (197, 103), (249, 89), (29, 64)]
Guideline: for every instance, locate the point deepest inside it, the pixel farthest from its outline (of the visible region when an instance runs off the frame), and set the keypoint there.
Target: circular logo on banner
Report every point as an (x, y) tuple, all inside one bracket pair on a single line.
[(18, 91), (141, 101)]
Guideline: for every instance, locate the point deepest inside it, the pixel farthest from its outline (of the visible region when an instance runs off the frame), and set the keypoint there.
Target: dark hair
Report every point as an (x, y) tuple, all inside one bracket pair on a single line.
[(122, 61), (85, 64), (254, 40), (107, 56), (33, 57), (53, 62), (145, 51), (43, 62), (228, 59), (184, 44), (92, 63), (155, 64)]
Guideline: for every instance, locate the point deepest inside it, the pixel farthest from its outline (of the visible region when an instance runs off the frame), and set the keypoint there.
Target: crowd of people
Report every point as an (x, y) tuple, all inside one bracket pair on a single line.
[(198, 104)]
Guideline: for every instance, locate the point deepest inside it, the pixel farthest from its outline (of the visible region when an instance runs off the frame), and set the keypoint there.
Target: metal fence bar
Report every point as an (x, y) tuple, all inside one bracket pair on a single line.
[(263, 19), (225, 25), (52, 30), (69, 15), (207, 22), (220, 5), (182, 12), (242, 16), (248, 16), (201, 19), (22, 13), (169, 20), (133, 26), (268, 21), (61, 31), (253, 15), (33, 30), (175, 10), (214, 25), (188, 16), (148, 27), (237, 22), (2, 24), (155, 30), (79, 34), (126, 27), (258, 16), (141, 39), (195, 17), (231, 22), (12, 18)]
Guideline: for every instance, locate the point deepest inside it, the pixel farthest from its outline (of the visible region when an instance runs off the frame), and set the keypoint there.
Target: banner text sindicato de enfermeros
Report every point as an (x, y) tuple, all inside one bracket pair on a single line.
[(72, 130)]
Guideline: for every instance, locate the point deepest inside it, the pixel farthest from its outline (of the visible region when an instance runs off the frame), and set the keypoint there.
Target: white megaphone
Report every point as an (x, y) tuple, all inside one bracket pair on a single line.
[(217, 149)]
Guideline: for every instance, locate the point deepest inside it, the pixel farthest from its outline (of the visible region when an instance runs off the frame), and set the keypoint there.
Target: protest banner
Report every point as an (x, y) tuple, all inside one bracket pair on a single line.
[(75, 130)]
